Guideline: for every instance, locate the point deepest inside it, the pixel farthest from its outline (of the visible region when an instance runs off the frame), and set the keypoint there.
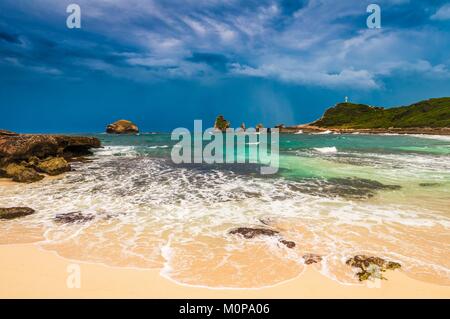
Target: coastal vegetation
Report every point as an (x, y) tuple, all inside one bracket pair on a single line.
[(432, 113)]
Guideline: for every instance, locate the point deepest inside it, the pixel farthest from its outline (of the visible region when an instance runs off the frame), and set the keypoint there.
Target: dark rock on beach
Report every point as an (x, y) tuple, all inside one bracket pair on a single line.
[(288, 243), (24, 146), (7, 133), (15, 212), (122, 127), (312, 259), (73, 217), (53, 166), (22, 174), (24, 156), (250, 233), (351, 187), (371, 267)]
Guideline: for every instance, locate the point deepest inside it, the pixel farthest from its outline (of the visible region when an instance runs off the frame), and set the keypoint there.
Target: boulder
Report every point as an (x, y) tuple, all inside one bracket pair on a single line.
[(22, 174), (259, 127), (15, 212), (122, 127), (53, 166)]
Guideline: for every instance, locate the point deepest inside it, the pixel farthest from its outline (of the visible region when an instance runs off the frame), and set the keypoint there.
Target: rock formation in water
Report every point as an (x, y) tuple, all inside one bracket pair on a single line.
[(221, 124), (24, 156), (122, 127), (15, 212), (259, 127), (73, 217), (7, 133)]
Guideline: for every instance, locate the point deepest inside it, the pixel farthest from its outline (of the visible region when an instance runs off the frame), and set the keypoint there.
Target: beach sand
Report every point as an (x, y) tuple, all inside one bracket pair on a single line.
[(29, 272)]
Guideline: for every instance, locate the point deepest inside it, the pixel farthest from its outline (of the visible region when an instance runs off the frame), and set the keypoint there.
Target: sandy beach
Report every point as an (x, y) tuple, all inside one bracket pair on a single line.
[(30, 272)]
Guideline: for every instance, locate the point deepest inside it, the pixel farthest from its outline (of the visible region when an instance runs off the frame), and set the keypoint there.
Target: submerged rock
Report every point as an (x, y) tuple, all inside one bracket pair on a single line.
[(53, 166), (22, 174), (429, 184), (122, 127), (73, 217), (371, 267), (351, 187), (250, 233), (15, 212), (312, 259)]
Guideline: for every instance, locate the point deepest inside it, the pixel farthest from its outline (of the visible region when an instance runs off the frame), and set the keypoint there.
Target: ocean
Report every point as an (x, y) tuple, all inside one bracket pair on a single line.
[(334, 195)]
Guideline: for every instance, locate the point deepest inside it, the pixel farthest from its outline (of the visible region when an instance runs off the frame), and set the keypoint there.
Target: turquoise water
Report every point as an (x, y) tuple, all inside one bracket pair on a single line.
[(327, 156)]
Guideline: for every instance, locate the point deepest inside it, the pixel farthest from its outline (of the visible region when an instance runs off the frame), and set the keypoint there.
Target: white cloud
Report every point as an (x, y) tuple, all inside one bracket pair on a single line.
[(443, 13), (319, 44)]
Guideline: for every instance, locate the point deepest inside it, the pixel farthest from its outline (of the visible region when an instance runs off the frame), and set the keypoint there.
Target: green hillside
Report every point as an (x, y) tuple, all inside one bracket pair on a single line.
[(429, 113)]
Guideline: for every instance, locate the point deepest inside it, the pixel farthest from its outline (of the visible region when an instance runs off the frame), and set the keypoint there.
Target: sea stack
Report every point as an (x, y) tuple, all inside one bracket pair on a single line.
[(221, 124), (122, 127)]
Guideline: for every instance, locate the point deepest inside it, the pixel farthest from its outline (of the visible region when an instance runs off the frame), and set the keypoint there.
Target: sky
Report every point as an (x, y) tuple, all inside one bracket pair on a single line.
[(163, 64)]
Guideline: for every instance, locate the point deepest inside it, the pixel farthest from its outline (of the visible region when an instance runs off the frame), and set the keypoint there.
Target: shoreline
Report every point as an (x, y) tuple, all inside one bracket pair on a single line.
[(48, 274), (306, 128)]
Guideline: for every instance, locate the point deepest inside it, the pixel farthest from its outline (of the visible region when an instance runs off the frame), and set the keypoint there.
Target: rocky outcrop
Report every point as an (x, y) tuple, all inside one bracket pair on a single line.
[(24, 146), (23, 156), (259, 127), (53, 166), (22, 174), (122, 127), (15, 212), (221, 124), (371, 267), (7, 133)]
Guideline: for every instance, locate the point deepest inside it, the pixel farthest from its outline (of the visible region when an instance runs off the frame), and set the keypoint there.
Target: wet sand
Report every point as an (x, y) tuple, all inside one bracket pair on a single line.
[(30, 272)]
